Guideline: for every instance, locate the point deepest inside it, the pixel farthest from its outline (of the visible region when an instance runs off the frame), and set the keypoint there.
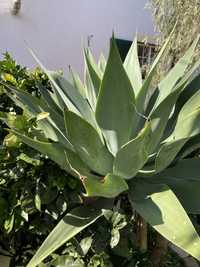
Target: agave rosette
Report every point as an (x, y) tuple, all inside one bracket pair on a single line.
[(117, 134)]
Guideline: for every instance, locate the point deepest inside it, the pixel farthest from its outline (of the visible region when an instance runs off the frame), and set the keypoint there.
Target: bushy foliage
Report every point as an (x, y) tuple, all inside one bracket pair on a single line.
[(34, 192), (183, 13)]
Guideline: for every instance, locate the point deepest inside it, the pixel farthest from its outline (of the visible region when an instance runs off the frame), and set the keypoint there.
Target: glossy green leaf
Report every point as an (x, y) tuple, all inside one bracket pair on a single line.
[(11, 140), (115, 237), (132, 67), (167, 84), (133, 155), (53, 150), (115, 117), (88, 144), (85, 244), (159, 206), (29, 160), (14, 121), (73, 223), (109, 186), (9, 223)]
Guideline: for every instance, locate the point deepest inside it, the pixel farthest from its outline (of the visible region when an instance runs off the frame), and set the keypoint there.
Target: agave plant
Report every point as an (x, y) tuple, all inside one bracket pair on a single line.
[(117, 135)]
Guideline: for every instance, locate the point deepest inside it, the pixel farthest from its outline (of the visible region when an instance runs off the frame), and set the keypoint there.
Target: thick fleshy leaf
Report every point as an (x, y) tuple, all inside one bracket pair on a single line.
[(160, 116), (115, 117), (184, 180), (75, 97), (187, 192), (167, 84), (61, 97), (133, 155), (78, 83), (186, 169), (192, 145), (90, 91), (65, 158), (49, 98), (73, 223), (102, 63), (88, 144), (191, 88), (71, 97), (94, 71), (109, 186), (132, 67), (159, 206), (144, 92), (52, 126), (141, 97), (187, 126)]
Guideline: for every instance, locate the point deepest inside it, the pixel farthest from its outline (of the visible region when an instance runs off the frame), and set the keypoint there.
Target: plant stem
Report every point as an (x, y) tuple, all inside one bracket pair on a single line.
[(142, 234), (159, 251)]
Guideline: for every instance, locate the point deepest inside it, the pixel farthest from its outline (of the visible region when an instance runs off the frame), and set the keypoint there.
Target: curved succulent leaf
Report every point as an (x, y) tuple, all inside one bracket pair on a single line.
[(102, 63), (187, 169), (49, 98), (184, 180), (192, 145), (167, 84), (52, 126), (159, 206), (187, 126), (160, 117), (132, 67), (191, 88), (88, 144), (142, 95), (94, 71), (78, 83), (109, 186), (133, 155), (115, 117), (60, 95), (75, 98), (72, 223)]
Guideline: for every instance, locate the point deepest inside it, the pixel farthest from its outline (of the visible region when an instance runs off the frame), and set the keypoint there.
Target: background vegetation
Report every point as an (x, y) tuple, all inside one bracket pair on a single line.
[(186, 14)]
